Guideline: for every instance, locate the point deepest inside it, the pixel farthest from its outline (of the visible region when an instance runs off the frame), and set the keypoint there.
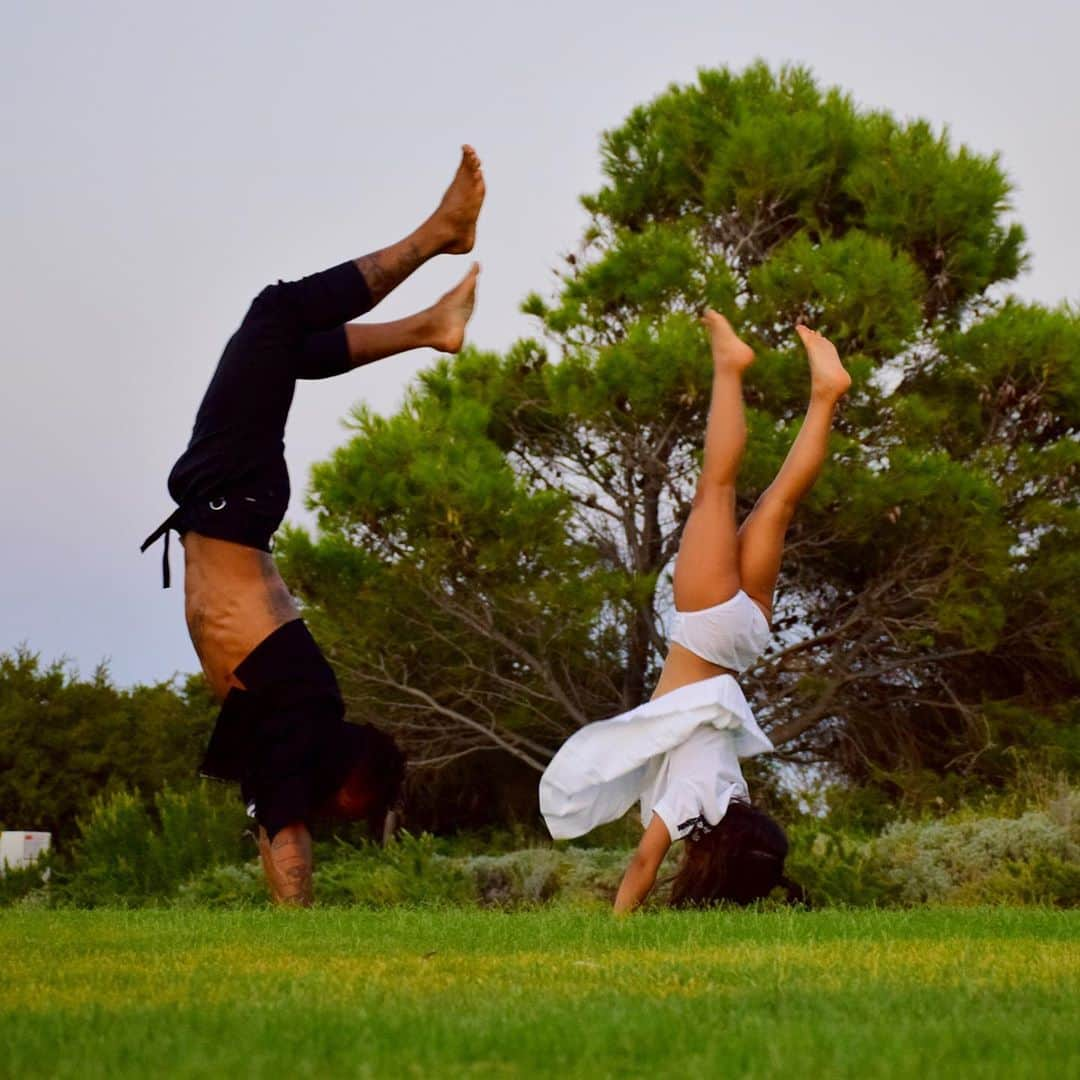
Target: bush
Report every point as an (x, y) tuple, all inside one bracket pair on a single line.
[(24, 884), (1033, 858), (409, 870), (836, 869), (127, 854), (190, 850), (225, 887), (1030, 857), (540, 875)]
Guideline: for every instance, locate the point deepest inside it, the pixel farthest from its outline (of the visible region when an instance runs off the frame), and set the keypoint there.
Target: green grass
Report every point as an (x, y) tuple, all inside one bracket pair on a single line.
[(413, 992)]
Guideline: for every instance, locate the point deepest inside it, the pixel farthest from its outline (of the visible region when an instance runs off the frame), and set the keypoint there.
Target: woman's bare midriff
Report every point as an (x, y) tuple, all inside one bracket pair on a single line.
[(234, 598), (682, 667)]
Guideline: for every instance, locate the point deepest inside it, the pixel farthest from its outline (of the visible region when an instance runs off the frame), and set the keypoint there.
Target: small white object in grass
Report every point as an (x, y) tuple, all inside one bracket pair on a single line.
[(22, 848)]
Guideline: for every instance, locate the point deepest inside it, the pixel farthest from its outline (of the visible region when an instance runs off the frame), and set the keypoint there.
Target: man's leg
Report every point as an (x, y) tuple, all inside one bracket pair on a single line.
[(761, 538), (441, 326), (706, 568), (287, 864), (451, 229)]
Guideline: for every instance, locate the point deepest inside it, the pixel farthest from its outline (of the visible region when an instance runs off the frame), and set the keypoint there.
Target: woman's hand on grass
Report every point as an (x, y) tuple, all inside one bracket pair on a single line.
[(640, 875)]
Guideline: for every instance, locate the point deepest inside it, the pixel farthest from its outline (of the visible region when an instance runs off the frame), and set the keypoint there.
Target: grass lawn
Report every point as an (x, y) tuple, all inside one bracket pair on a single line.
[(408, 992)]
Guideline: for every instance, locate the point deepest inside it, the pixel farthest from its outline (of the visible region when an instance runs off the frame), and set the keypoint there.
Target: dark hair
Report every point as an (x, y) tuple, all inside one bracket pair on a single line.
[(376, 772), (739, 860)]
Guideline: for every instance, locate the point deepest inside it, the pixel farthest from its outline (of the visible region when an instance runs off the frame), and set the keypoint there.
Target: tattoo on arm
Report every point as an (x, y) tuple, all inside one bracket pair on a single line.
[(291, 861)]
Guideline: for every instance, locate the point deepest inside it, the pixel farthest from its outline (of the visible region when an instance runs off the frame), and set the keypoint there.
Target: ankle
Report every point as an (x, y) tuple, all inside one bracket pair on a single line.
[(727, 366), (827, 396), (433, 236)]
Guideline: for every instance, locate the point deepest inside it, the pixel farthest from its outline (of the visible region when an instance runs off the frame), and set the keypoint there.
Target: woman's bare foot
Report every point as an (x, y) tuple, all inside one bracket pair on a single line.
[(827, 375), (452, 312), (455, 218), (727, 348)]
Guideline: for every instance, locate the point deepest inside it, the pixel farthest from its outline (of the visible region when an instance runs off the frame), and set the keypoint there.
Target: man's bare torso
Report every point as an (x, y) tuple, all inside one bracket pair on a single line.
[(234, 598)]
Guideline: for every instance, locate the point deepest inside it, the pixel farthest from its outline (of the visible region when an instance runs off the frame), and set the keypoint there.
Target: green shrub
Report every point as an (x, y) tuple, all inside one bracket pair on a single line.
[(24, 884), (409, 870), (972, 861), (836, 869), (1046, 880), (225, 887), (539, 875), (127, 855), (1032, 857), (192, 849)]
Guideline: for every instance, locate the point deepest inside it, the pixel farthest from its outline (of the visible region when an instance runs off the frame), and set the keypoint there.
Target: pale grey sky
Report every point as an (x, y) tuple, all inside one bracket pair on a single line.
[(161, 162)]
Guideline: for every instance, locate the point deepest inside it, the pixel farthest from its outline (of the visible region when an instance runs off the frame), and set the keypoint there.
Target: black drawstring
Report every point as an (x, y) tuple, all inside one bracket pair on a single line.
[(163, 530)]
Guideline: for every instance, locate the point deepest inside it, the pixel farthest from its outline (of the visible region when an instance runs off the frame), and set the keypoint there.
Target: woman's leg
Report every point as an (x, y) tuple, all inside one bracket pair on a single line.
[(707, 566), (451, 229), (761, 538)]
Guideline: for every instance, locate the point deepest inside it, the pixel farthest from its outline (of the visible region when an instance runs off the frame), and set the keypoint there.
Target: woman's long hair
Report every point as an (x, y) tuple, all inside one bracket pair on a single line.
[(740, 860)]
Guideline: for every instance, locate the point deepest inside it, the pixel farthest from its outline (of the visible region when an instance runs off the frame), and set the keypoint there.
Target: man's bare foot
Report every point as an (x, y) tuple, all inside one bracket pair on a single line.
[(827, 375), (452, 312), (727, 348), (455, 217)]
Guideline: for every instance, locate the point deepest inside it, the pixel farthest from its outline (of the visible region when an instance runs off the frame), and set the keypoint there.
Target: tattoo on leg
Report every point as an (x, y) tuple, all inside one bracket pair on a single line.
[(385, 270)]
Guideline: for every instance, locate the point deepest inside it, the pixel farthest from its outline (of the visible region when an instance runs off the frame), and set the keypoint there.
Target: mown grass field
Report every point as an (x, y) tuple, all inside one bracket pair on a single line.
[(413, 992)]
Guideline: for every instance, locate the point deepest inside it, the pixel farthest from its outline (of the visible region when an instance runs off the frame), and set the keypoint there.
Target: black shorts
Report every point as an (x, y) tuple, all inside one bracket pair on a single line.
[(231, 482), (245, 516), (283, 737)]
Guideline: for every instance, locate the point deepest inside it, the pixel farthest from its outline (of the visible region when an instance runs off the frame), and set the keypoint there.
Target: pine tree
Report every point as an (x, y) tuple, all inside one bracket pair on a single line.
[(494, 561)]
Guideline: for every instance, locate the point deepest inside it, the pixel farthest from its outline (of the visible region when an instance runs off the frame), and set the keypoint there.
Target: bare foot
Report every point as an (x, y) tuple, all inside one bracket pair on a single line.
[(727, 348), (452, 312), (455, 217), (827, 375)]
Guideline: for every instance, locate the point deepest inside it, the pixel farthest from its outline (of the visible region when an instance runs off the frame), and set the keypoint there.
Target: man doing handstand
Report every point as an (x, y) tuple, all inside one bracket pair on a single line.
[(281, 731)]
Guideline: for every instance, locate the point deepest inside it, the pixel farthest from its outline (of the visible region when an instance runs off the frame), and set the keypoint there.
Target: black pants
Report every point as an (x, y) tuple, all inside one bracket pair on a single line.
[(232, 482)]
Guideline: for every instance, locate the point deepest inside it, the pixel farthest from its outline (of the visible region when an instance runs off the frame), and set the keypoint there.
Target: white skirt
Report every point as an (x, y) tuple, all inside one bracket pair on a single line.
[(605, 767)]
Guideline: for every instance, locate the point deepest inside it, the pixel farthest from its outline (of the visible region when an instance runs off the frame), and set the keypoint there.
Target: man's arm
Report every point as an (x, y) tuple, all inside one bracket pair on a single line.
[(287, 864), (640, 875)]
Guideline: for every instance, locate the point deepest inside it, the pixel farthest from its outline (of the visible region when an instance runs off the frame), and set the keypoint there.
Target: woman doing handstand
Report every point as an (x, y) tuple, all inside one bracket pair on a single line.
[(679, 752)]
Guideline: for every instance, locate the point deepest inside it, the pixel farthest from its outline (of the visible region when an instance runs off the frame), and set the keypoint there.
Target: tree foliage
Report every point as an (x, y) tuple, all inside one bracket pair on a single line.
[(65, 741), (493, 562)]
